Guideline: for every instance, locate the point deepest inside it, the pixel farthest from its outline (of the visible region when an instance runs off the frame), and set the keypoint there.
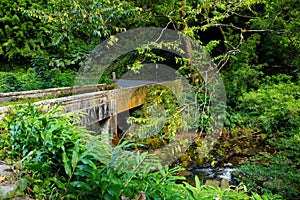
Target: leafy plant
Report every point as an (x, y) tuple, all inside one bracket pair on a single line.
[(21, 37), (61, 160), (274, 107), (272, 174), (70, 163), (210, 192), (32, 79)]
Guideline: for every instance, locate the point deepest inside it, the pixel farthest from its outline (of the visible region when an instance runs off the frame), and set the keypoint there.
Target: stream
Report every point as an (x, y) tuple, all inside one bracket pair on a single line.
[(216, 176)]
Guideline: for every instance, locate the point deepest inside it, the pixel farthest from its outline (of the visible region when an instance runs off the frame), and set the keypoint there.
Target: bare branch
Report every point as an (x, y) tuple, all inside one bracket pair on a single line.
[(249, 30), (244, 16), (235, 49), (162, 32)]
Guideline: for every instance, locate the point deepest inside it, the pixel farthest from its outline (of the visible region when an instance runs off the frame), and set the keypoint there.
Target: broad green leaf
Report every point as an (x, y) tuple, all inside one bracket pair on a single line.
[(87, 161), (66, 164), (75, 157), (60, 184), (81, 184)]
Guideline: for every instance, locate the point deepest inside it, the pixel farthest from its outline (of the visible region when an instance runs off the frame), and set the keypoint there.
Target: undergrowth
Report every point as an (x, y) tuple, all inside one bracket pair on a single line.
[(56, 159)]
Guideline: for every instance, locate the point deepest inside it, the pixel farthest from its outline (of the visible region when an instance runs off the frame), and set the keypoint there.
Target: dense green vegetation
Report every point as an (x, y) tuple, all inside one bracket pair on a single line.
[(69, 163), (33, 80), (255, 45)]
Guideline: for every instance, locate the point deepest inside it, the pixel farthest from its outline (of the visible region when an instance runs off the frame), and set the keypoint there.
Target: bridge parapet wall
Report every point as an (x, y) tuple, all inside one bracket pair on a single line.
[(52, 92), (102, 105)]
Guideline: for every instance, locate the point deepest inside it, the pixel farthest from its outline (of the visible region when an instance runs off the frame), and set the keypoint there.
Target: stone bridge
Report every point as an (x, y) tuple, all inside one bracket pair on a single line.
[(99, 104)]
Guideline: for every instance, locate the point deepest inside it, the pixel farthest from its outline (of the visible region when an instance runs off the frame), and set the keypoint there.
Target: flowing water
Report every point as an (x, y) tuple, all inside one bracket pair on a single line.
[(219, 176)]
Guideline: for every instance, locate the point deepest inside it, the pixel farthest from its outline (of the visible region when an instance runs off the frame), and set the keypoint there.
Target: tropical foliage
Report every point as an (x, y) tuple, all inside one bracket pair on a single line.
[(69, 163), (254, 44)]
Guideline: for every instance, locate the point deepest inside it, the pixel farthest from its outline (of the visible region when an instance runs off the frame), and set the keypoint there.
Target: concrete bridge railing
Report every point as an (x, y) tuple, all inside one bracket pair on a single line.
[(100, 108), (52, 92)]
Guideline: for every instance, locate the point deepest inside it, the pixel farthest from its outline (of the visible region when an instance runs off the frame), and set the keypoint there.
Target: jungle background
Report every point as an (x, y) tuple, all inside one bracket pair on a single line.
[(254, 44)]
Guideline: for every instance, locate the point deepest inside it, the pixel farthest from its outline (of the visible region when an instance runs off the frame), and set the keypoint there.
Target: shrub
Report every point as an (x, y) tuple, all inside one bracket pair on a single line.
[(274, 107), (22, 37), (60, 160), (30, 80), (275, 110)]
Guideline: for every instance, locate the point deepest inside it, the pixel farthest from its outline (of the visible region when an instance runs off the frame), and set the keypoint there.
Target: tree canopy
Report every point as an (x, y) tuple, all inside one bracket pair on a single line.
[(255, 45)]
